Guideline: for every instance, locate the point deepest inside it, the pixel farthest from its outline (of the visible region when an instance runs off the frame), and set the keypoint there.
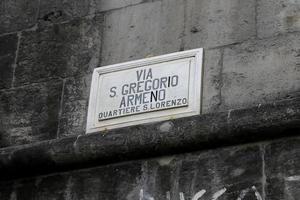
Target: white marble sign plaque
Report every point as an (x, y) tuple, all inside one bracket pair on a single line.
[(148, 90)]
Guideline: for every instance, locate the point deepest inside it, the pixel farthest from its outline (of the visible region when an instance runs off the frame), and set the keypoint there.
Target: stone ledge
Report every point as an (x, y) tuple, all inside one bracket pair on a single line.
[(280, 119)]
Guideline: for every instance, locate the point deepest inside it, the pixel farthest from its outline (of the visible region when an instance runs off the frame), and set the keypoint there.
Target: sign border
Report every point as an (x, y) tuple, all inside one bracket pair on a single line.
[(193, 108)]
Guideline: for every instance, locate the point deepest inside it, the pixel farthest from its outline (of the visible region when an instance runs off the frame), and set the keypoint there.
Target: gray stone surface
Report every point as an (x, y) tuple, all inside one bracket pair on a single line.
[(277, 17), (17, 15), (55, 11), (224, 173), (90, 184), (143, 30), (166, 26), (139, 142), (59, 50), (29, 114), (104, 5), (217, 22), (8, 44), (188, 174), (261, 71), (62, 41), (75, 105), (282, 170), (212, 80)]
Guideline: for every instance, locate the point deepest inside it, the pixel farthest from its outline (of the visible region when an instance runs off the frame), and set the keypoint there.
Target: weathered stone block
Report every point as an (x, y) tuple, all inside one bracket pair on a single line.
[(8, 46), (60, 50), (17, 15), (57, 11), (217, 22), (106, 5), (54, 11), (227, 173), (6, 192), (215, 173), (280, 189), (44, 188), (143, 30), (258, 117), (282, 169), (222, 167), (282, 159), (106, 182), (277, 16), (30, 113), (74, 107), (173, 26), (212, 75), (261, 71)]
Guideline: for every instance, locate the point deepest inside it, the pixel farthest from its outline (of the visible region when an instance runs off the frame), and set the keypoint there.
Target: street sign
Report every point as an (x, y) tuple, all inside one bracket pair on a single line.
[(147, 90)]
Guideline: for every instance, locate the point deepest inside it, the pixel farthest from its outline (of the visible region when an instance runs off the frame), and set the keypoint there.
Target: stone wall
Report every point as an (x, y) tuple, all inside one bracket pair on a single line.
[(225, 173), (49, 48)]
